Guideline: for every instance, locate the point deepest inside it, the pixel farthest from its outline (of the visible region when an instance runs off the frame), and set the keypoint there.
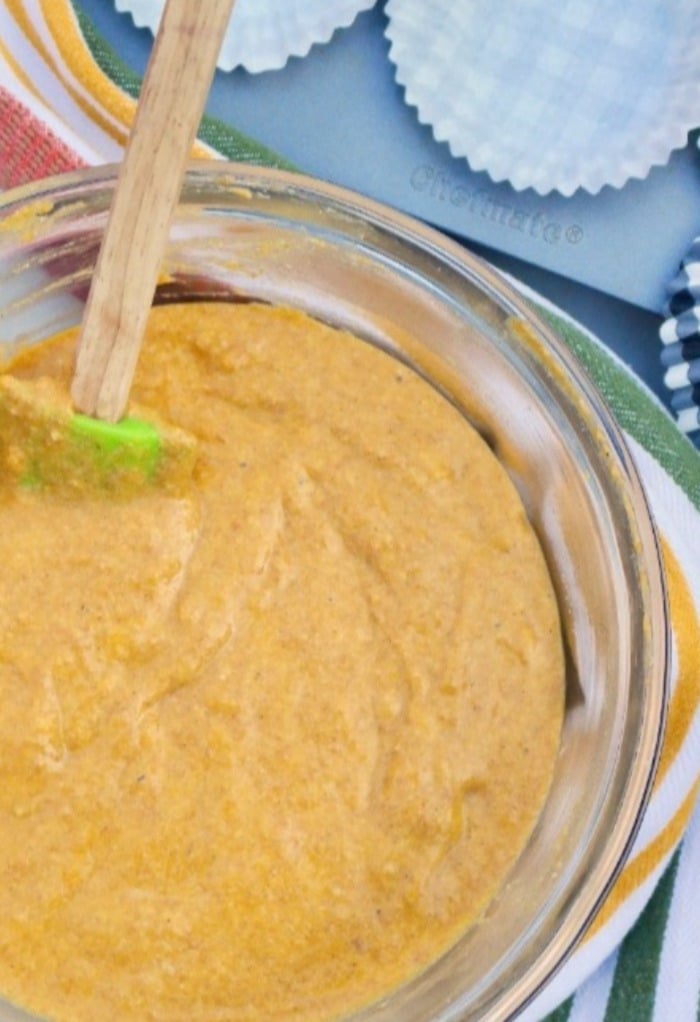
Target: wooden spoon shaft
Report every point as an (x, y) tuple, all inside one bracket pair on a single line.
[(175, 89)]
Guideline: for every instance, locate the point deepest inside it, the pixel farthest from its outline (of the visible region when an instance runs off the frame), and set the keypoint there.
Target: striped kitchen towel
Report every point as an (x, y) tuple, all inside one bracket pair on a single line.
[(53, 62), (640, 962), (65, 100)]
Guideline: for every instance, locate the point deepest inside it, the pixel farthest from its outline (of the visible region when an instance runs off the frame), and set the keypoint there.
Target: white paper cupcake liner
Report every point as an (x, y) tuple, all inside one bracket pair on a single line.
[(264, 34), (553, 96)]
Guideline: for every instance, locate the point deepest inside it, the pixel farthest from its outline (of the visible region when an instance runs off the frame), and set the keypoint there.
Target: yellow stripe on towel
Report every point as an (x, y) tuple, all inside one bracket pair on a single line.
[(24, 22), (643, 865), (686, 631), (18, 71), (682, 708), (63, 26)]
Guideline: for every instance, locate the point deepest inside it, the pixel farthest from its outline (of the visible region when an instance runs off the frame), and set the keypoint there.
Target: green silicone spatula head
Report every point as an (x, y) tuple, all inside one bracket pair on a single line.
[(149, 182), (46, 444)]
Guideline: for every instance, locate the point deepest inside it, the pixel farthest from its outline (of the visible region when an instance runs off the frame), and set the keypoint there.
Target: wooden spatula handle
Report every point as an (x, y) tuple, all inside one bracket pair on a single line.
[(175, 89)]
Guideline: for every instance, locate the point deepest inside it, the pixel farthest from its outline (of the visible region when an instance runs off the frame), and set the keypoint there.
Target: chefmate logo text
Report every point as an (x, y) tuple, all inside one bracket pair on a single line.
[(481, 202)]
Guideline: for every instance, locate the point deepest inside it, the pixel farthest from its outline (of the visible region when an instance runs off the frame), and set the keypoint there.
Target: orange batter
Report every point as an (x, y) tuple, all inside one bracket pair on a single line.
[(267, 745)]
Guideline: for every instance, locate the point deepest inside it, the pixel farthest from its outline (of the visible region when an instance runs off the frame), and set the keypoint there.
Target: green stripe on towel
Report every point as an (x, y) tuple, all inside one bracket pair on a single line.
[(633, 408), (562, 1012), (633, 991)]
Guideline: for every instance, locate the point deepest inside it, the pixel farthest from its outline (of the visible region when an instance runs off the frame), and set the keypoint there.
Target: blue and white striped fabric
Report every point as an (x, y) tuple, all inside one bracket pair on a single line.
[(680, 334)]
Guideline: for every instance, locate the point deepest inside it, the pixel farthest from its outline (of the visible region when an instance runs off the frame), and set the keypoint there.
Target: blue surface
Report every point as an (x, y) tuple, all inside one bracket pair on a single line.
[(339, 115)]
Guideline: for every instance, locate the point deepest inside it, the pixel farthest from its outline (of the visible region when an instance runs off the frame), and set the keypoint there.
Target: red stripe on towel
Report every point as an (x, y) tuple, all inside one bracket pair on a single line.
[(28, 149)]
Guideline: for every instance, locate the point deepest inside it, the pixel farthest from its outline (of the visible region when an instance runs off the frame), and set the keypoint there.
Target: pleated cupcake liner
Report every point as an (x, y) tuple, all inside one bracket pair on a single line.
[(264, 34), (563, 96)]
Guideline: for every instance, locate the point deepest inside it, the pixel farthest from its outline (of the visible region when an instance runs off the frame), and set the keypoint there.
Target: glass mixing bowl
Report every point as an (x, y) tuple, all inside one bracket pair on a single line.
[(243, 233)]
